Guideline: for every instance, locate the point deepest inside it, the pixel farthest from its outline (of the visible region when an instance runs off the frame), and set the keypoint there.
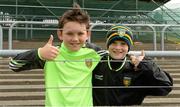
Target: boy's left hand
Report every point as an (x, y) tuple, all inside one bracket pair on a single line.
[(48, 51), (135, 60)]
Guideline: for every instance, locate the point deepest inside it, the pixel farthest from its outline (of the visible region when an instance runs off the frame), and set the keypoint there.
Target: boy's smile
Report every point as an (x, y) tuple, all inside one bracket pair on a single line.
[(118, 49)]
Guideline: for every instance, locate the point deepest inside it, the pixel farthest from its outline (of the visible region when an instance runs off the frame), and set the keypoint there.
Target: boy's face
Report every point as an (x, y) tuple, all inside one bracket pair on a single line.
[(74, 35), (118, 49)]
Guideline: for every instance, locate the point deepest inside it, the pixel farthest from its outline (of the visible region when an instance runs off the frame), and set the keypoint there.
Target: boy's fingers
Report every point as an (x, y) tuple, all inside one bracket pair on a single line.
[(132, 58), (55, 51)]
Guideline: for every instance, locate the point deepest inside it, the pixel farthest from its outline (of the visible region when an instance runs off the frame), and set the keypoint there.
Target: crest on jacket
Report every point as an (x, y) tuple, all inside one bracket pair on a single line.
[(127, 81), (88, 63)]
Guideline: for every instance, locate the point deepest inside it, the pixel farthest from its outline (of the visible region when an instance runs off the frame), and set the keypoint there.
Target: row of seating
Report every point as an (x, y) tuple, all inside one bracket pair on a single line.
[(27, 88)]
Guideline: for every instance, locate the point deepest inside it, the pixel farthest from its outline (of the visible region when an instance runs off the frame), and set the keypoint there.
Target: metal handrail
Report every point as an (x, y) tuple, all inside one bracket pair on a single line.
[(10, 53)]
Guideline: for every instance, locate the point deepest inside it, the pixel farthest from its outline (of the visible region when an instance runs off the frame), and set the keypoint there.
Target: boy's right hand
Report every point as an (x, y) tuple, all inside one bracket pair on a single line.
[(135, 60), (48, 51)]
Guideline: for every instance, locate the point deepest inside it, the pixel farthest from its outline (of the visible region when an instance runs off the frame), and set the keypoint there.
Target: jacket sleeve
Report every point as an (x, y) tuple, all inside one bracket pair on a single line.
[(93, 46), (26, 61), (156, 77)]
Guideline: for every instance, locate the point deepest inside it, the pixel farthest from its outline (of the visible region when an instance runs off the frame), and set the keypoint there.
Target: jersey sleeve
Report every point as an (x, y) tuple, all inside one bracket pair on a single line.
[(156, 77), (26, 61)]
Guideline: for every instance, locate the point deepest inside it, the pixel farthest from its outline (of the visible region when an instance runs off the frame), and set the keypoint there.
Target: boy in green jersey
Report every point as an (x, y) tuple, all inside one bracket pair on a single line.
[(68, 69)]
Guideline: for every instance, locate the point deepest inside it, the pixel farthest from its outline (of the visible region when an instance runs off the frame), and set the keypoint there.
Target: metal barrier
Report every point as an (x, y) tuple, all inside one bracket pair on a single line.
[(1, 31), (9, 53), (162, 35), (23, 22), (13, 23), (93, 25), (1, 38)]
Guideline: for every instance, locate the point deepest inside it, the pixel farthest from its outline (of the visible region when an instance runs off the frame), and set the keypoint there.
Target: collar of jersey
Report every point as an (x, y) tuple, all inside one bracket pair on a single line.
[(79, 55), (64, 50)]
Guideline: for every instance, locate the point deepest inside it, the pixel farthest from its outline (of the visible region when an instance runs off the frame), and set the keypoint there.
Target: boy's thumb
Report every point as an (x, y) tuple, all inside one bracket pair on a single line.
[(50, 41), (142, 53)]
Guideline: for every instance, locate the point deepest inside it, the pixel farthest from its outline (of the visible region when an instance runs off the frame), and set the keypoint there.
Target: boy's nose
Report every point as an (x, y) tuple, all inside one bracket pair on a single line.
[(75, 37)]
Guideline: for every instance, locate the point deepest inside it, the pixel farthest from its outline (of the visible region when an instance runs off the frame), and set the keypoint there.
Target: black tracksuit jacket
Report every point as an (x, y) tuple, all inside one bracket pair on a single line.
[(127, 86)]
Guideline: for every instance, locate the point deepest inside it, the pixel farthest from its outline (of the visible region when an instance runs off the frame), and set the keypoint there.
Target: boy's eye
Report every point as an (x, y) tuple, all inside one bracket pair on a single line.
[(122, 43), (80, 33), (73, 33), (69, 33)]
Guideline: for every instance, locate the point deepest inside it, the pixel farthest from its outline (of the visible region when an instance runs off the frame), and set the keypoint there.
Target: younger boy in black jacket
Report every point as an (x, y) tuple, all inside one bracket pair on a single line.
[(122, 79)]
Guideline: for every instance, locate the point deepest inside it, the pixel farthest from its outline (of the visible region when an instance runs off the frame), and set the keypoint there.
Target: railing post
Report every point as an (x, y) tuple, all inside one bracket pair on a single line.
[(162, 35), (1, 38), (25, 22)]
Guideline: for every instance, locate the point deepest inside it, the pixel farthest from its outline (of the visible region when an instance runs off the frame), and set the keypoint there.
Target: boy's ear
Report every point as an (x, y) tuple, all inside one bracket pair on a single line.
[(88, 34), (59, 33)]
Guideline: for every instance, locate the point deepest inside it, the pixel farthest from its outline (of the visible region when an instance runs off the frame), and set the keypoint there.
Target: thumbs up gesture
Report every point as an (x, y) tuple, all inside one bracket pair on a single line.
[(48, 51), (135, 60)]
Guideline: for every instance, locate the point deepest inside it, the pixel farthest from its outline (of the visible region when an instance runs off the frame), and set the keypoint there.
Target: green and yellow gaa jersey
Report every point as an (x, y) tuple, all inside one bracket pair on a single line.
[(68, 78)]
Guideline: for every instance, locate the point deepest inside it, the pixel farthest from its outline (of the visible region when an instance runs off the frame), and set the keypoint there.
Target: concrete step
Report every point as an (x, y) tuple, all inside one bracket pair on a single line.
[(9, 71), (23, 90), (22, 76), (41, 75), (16, 87), (169, 66), (172, 70), (26, 86), (173, 94), (4, 61), (20, 80), (176, 80), (161, 101), (42, 80), (28, 97), (23, 103), (175, 75), (17, 94), (4, 71), (167, 62)]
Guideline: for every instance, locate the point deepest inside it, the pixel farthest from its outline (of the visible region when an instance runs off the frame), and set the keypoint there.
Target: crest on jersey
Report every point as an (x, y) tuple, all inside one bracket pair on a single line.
[(127, 81), (88, 63)]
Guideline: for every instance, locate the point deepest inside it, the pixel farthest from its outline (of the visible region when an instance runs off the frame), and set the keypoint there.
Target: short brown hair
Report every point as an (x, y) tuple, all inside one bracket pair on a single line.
[(75, 14)]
